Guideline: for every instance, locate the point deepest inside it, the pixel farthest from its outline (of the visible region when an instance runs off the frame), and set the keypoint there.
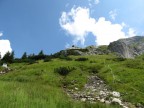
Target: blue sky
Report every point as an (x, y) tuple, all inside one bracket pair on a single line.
[(49, 25)]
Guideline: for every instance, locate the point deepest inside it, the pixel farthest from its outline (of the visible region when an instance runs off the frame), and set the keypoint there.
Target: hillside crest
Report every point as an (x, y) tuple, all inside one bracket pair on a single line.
[(126, 48)]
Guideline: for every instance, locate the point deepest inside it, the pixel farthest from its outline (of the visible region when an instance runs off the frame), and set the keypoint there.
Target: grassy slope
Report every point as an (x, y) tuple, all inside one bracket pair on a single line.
[(37, 86)]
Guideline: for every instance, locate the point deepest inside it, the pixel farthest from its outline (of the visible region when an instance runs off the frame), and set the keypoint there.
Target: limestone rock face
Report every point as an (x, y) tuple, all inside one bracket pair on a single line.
[(129, 47)]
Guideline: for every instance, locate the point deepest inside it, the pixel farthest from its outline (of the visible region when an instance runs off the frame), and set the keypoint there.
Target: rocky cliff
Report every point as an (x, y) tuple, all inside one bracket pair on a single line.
[(126, 48), (129, 47)]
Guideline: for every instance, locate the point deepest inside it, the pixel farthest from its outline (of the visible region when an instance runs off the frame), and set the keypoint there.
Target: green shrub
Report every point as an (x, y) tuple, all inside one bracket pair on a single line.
[(31, 61), (65, 58), (135, 64), (93, 61), (64, 70), (47, 59), (81, 59), (95, 69), (119, 59)]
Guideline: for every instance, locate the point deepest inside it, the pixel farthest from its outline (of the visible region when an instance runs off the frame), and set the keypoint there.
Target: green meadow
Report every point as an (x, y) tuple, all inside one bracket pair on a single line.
[(39, 85)]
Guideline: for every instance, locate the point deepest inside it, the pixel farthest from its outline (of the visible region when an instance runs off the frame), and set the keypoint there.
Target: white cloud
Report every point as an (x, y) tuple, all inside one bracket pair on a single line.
[(4, 46), (1, 34), (123, 24), (107, 32), (78, 24), (131, 32), (113, 14)]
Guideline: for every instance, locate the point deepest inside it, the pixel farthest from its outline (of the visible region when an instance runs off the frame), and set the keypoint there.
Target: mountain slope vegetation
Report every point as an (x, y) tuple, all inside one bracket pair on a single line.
[(41, 84)]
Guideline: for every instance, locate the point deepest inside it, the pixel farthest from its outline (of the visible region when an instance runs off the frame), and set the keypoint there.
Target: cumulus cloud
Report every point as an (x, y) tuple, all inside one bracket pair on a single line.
[(78, 24), (131, 32), (4, 46), (107, 32), (113, 14)]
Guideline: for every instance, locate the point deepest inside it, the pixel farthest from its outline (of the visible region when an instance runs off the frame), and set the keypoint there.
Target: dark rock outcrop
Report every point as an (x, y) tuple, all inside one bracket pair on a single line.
[(129, 47)]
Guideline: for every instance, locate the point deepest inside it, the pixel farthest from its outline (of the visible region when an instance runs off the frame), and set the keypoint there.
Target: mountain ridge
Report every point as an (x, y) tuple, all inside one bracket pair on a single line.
[(125, 48)]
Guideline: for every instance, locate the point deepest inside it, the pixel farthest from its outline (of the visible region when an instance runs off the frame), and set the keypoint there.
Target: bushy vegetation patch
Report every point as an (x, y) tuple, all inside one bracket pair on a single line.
[(65, 58), (119, 59), (47, 59), (64, 70), (95, 69), (92, 61), (134, 63), (81, 59)]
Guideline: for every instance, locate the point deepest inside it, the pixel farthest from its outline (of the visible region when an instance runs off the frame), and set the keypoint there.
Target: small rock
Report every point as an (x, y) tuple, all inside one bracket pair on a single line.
[(93, 90), (117, 100), (107, 102), (139, 105), (88, 96), (76, 95), (116, 94), (105, 89), (102, 100), (124, 106), (83, 99), (101, 81), (76, 88), (102, 93), (97, 98), (91, 99)]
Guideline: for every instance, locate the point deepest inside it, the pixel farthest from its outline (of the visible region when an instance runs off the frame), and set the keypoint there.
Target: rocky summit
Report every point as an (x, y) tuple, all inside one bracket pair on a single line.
[(125, 48), (129, 47)]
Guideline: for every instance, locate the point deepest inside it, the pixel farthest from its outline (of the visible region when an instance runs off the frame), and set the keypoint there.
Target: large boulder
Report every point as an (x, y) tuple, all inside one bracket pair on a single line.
[(129, 47)]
